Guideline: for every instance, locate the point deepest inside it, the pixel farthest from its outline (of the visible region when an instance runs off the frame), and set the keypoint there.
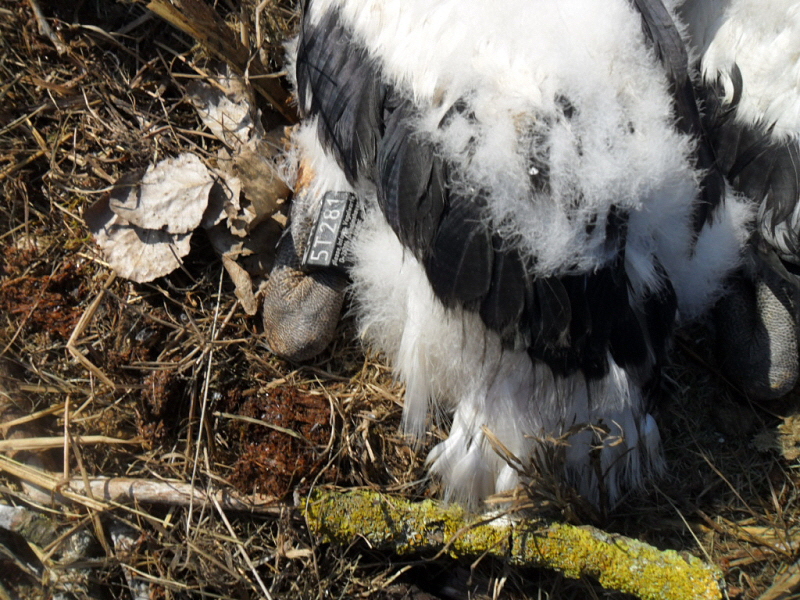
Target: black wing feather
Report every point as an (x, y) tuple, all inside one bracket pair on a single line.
[(765, 169), (459, 266), (337, 82), (661, 32), (503, 306), (550, 315), (411, 189)]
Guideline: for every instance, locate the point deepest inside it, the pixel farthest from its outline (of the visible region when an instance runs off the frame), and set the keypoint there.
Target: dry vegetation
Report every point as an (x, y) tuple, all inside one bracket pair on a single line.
[(168, 381)]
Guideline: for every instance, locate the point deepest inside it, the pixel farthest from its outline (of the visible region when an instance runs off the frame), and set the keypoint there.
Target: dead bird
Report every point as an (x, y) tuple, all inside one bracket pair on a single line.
[(540, 206)]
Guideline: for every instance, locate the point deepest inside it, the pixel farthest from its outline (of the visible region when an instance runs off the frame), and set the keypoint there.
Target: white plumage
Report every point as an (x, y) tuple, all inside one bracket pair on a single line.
[(761, 40), (758, 44), (536, 217)]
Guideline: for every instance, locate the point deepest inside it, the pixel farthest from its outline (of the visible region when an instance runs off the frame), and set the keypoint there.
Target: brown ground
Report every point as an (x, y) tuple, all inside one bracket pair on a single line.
[(203, 402)]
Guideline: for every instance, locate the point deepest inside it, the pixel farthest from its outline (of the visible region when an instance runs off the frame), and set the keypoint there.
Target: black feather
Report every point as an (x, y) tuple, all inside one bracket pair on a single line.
[(502, 308), (640, 335), (338, 83), (663, 35), (459, 266), (412, 180), (550, 315), (667, 43), (660, 309), (765, 169)]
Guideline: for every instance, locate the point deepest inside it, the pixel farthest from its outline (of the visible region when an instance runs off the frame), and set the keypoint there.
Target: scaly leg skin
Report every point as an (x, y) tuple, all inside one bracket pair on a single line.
[(757, 343), (301, 310)]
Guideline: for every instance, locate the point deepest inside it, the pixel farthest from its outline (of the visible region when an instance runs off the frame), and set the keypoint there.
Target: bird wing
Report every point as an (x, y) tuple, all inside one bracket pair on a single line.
[(748, 56), (573, 317)]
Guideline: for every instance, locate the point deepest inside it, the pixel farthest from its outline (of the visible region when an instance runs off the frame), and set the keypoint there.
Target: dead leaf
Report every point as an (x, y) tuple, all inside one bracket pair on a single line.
[(171, 196), (256, 252), (226, 108), (223, 201), (261, 183), (789, 437), (134, 253), (243, 285)]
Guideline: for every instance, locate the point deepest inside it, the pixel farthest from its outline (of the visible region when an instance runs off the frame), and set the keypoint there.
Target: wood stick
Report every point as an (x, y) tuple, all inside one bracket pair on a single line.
[(617, 562), (104, 492)]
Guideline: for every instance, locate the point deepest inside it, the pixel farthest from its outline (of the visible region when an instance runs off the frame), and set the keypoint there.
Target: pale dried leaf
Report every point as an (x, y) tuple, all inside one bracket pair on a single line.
[(243, 284), (260, 247), (224, 242), (262, 184), (223, 201), (264, 190), (256, 252), (225, 109), (171, 196), (789, 435), (134, 253)]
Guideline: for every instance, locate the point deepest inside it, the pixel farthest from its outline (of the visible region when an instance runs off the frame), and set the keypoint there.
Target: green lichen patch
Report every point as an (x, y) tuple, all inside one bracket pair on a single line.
[(618, 563)]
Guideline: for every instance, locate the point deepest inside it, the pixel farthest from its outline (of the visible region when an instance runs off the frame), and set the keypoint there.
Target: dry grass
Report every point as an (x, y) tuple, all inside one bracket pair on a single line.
[(176, 369)]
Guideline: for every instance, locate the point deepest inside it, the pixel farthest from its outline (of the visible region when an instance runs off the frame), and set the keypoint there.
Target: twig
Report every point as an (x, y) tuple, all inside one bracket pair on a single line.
[(16, 166), (99, 531), (618, 562), (261, 423), (45, 443), (83, 323), (45, 29), (242, 551), (784, 585), (210, 361), (126, 490), (50, 410), (725, 527)]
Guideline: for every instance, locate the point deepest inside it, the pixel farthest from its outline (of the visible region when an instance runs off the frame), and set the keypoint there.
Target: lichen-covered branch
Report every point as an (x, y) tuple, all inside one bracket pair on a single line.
[(617, 562)]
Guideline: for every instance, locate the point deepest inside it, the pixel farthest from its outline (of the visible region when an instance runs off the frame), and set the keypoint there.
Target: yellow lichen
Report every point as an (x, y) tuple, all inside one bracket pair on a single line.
[(403, 527)]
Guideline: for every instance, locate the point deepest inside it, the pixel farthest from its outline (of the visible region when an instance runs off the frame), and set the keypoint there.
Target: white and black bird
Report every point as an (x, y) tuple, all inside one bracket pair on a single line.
[(541, 206), (748, 54)]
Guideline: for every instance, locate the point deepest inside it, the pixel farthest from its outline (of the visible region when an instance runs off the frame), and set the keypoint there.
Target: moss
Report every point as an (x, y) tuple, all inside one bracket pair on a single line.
[(618, 563)]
